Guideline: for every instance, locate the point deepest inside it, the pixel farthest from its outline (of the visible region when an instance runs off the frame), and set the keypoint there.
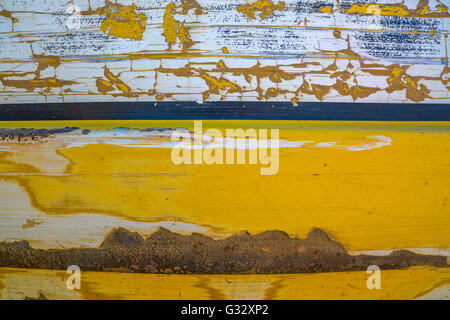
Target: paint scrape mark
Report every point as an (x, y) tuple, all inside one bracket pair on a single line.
[(367, 143)]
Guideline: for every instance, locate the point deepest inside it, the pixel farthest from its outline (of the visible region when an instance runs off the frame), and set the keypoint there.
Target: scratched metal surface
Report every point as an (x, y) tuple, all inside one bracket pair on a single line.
[(237, 50)]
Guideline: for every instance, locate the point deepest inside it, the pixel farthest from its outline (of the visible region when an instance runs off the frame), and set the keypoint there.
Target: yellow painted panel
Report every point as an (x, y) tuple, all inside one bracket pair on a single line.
[(411, 283), (393, 196)]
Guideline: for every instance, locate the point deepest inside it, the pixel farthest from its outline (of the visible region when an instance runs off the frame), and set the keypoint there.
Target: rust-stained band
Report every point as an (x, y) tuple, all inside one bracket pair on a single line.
[(168, 252)]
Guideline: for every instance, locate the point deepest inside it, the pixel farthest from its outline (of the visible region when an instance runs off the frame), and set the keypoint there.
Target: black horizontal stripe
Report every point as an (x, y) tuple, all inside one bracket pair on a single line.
[(225, 110)]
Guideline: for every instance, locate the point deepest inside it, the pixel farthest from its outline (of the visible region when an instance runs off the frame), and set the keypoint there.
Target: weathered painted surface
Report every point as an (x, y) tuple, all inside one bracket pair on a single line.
[(355, 182), (414, 283), (345, 195), (374, 187), (189, 50)]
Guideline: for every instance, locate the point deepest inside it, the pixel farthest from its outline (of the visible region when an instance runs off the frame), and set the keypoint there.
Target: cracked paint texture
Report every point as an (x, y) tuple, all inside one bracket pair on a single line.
[(263, 50)]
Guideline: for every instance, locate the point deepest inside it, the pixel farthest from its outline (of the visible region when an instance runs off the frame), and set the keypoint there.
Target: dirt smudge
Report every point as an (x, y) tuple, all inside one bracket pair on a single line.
[(32, 134)]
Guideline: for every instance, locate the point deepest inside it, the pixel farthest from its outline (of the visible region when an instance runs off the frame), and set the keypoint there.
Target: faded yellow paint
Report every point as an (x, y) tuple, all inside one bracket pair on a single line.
[(125, 23), (174, 29), (8, 14), (381, 198), (169, 25), (395, 284), (326, 9), (105, 86), (378, 9), (44, 62), (442, 8), (413, 87), (184, 36), (265, 7), (187, 5), (398, 10), (216, 85), (30, 85)]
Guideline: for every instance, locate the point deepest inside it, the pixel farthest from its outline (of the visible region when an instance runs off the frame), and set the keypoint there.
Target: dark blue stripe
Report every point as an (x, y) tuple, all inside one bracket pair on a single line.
[(226, 110)]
